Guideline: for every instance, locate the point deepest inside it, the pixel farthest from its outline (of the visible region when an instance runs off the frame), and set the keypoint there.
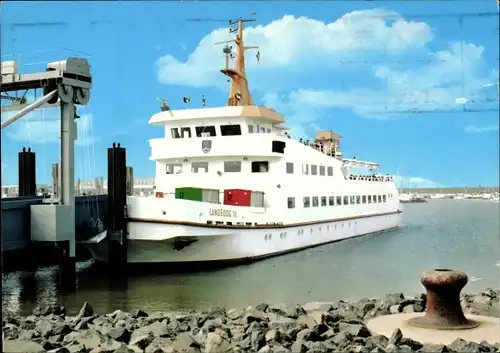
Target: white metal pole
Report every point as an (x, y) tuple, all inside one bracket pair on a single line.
[(67, 162), (28, 109)]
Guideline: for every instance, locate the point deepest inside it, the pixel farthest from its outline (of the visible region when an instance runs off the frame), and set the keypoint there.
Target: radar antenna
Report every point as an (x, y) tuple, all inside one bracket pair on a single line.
[(239, 94)]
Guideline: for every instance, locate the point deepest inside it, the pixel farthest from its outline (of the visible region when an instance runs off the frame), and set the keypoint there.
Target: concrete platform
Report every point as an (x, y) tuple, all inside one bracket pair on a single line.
[(488, 330), (19, 346)]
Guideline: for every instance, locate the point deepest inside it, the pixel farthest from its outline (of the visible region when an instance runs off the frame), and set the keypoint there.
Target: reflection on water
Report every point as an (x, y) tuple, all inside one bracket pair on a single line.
[(442, 233)]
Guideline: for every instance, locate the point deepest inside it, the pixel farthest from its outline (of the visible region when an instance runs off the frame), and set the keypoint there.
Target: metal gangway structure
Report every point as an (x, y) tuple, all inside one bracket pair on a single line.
[(65, 84)]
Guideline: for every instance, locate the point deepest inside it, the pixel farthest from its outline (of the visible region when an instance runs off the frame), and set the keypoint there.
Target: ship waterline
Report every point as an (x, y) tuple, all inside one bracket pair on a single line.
[(196, 244)]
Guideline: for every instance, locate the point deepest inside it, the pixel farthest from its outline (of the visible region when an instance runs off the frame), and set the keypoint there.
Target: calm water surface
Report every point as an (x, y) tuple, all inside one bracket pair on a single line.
[(461, 234)]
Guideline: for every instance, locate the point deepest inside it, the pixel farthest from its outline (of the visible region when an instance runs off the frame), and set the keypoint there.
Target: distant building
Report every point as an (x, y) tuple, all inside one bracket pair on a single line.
[(98, 186)]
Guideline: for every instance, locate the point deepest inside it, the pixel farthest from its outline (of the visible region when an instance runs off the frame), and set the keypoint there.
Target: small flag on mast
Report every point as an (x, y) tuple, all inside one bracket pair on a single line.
[(258, 56)]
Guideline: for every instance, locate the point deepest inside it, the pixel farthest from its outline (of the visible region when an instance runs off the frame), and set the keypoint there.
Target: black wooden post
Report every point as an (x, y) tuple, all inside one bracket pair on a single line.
[(117, 201), (27, 173)]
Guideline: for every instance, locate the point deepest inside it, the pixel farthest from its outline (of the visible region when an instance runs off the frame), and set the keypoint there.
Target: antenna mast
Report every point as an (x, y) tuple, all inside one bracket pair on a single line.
[(239, 94)]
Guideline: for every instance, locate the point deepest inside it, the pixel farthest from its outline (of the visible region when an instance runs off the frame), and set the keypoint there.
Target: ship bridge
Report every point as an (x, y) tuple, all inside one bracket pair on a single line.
[(250, 131)]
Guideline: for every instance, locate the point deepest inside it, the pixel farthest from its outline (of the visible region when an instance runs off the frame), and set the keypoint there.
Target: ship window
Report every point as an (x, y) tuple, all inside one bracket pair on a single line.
[(199, 167), (230, 130), (384, 198), (358, 199), (186, 132), (322, 170), (268, 130), (250, 129), (174, 168), (339, 200), (315, 201), (175, 133), (329, 171), (364, 198), (379, 198), (291, 202), (257, 129), (374, 198), (260, 167), (263, 129), (323, 201), (289, 167), (369, 198), (351, 200), (331, 200), (278, 146), (305, 169), (232, 167), (205, 131), (307, 201), (314, 169), (346, 200)]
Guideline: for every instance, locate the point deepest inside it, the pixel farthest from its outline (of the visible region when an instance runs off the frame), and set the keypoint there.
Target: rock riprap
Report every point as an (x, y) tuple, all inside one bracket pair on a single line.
[(313, 327)]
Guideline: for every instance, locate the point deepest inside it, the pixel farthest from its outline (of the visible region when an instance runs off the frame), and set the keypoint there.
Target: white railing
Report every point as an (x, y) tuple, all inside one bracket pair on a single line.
[(375, 177)]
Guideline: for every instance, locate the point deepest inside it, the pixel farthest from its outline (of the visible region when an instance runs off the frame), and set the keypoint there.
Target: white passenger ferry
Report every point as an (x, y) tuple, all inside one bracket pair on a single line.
[(231, 185)]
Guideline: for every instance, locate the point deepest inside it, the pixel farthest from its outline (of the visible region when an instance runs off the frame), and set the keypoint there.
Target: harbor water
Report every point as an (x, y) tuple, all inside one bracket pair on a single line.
[(462, 234)]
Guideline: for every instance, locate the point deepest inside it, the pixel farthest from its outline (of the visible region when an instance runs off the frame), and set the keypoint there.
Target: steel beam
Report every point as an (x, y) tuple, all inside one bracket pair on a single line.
[(18, 106), (28, 109)]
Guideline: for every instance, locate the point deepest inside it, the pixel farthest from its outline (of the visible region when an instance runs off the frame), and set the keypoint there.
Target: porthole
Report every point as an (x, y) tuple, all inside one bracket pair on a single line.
[(270, 236), (320, 229), (311, 230)]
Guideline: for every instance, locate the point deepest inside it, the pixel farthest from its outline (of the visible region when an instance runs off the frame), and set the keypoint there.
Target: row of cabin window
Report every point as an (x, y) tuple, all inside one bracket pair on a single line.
[(323, 170), (229, 167), (210, 130), (257, 167), (339, 200)]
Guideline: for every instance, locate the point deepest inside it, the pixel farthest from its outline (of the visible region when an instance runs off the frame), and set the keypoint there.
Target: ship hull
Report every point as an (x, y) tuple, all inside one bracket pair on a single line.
[(170, 243)]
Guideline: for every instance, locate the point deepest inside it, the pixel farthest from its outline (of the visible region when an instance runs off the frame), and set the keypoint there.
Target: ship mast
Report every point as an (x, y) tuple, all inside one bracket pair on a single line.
[(239, 95)]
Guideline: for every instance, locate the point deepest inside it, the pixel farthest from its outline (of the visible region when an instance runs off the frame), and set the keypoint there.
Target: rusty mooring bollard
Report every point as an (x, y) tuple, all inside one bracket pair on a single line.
[(443, 310)]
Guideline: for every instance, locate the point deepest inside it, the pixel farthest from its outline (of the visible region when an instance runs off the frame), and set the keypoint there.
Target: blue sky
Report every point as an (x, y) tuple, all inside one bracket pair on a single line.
[(357, 68)]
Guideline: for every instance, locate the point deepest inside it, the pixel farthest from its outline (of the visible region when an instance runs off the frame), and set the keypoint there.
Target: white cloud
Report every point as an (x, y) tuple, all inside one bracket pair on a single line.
[(473, 129), (434, 86), (295, 49), (292, 41), (415, 182), (43, 126)]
